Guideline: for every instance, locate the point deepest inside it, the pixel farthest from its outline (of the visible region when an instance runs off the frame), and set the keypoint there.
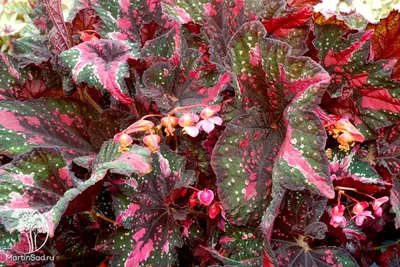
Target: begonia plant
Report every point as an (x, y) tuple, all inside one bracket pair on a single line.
[(201, 133)]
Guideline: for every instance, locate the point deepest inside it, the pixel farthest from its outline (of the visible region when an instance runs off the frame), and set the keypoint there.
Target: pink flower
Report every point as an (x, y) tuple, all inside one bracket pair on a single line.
[(124, 141), (205, 196), (376, 205), (152, 141), (208, 120), (187, 121), (337, 216), (360, 214)]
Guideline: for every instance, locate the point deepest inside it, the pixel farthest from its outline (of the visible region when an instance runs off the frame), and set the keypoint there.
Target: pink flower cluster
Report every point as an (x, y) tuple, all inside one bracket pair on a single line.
[(190, 123), (360, 214)]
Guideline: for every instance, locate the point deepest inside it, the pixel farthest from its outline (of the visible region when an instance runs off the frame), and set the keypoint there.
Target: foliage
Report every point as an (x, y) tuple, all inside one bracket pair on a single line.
[(208, 133)]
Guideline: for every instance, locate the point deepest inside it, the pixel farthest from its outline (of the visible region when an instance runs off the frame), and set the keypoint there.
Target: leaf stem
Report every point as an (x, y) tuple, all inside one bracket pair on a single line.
[(104, 218), (194, 188), (386, 246), (341, 188), (90, 100), (177, 109), (133, 109)]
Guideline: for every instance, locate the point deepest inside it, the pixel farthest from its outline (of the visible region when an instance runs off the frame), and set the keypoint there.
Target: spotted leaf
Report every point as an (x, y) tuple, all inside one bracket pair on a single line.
[(11, 77), (102, 64), (46, 122), (122, 20), (279, 131), (371, 98), (150, 233), (352, 170), (296, 226)]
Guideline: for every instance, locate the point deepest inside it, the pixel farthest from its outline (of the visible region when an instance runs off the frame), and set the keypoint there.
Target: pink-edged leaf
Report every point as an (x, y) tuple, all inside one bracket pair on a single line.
[(151, 233), (12, 77), (122, 20), (102, 64), (271, 140), (295, 228), (46, 122), (41, 180), (359, 86), (389, 149), (349, 170)]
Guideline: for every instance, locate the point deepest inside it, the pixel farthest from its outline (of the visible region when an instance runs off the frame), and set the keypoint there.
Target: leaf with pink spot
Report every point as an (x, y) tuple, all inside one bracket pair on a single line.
[(47, 122), (297, 226), (151, 233), (270, 140), (102, 64)]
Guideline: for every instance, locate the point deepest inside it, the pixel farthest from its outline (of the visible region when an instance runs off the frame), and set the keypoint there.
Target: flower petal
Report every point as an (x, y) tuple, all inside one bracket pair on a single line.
[(208, 126), (191, 130), (216, 120)]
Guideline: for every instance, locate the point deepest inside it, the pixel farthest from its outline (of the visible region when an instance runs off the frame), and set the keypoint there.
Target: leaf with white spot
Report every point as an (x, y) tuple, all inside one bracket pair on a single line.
[(46, 122), (296, 226), (360, 87), (102, 64), (146, 211), (282, 137)]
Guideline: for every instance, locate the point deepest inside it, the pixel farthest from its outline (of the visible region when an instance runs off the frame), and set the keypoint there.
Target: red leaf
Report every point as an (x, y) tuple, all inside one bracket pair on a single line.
[(282, 26), (386, 40), (302, 3)]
